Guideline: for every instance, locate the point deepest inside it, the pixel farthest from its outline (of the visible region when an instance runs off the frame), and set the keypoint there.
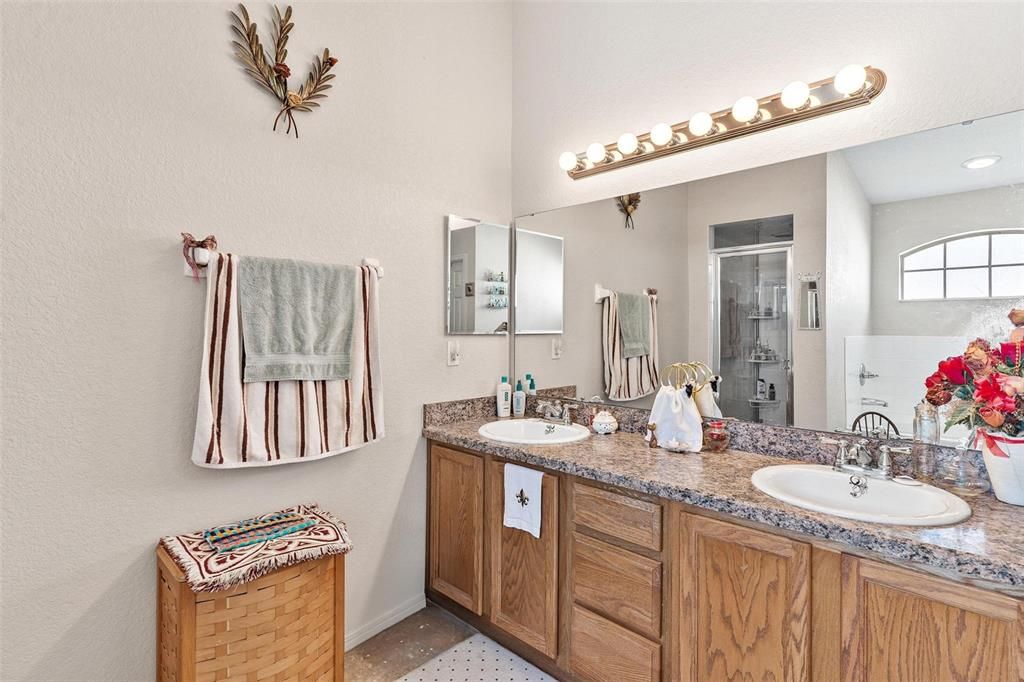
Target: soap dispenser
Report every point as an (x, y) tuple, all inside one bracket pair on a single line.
[(519, 401)]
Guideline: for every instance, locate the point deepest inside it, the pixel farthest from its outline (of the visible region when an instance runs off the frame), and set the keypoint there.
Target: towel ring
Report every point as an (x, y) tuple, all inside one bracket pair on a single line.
[(697, 374)]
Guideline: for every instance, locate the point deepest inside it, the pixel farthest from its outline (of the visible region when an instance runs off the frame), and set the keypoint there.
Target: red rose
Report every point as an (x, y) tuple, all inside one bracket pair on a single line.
[(936, 380), (953, 369), (1012, 353), (989, 393)]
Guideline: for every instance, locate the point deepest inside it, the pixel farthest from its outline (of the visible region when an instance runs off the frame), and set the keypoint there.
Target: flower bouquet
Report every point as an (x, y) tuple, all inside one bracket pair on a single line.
[(984, 389)]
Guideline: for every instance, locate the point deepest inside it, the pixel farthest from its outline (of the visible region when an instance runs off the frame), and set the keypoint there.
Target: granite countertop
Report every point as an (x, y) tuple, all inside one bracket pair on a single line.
[(987, 549)]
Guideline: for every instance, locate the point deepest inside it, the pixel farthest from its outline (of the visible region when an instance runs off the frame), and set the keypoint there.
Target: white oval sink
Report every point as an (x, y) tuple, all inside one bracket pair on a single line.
[(822, 489), (533, 432)]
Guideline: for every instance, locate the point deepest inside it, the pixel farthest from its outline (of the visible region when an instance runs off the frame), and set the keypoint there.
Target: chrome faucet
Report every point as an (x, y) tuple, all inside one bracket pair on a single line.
[(856, 458), (556, 412)]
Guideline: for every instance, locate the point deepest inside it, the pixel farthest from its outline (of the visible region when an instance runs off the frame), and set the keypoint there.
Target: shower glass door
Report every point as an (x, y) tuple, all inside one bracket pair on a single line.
[(751, 332)]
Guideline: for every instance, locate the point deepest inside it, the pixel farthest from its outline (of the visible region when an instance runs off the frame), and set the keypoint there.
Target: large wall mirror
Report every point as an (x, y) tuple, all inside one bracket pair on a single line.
[(820, 289), (477, 277)]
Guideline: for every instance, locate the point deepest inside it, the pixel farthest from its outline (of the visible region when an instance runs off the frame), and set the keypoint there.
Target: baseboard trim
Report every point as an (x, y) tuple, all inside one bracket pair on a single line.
[(384, 621)]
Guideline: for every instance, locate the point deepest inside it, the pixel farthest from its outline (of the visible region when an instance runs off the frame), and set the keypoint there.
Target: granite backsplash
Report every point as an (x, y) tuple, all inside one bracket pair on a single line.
[(763, 439)]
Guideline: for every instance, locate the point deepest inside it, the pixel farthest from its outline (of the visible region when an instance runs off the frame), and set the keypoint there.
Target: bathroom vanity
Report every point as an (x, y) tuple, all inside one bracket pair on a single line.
[(660, 566)]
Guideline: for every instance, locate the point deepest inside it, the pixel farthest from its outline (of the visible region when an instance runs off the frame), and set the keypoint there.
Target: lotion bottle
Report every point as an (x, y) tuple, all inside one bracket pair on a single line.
[(519, 401), (504, 397)]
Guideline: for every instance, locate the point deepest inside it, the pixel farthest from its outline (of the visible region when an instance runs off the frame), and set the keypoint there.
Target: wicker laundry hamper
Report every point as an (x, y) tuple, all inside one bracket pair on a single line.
[(285, 624)]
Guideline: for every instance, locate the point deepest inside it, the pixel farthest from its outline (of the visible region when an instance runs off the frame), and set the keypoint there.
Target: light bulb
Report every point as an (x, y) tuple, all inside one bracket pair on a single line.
[(700, 123), (567, 161), (596, 153), (745, 109), (795, 95), (628, 144), (850, 79), (661, 134)]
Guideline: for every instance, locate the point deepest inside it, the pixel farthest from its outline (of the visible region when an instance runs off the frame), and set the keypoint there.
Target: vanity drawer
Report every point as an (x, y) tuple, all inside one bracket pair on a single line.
[(626, 518), (602, 651), (618, 584)]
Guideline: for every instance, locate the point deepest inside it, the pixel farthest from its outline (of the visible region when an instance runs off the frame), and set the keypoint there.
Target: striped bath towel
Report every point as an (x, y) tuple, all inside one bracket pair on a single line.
[(627, 378), (276, 422)]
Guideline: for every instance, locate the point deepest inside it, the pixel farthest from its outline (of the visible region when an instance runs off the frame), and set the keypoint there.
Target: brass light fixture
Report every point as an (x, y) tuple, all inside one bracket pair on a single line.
[(852, 86)]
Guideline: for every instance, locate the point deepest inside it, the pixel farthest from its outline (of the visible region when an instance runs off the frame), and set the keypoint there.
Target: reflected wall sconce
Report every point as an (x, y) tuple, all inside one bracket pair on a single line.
[(852, 86)]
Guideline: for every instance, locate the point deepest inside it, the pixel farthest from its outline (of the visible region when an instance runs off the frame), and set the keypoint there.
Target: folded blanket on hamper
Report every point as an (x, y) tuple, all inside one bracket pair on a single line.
[(628, 378), (207, 570), (296, 319), (277, 422)]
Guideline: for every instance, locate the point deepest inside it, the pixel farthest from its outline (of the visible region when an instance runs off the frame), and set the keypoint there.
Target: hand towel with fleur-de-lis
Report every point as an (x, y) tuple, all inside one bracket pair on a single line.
[(522, 499)]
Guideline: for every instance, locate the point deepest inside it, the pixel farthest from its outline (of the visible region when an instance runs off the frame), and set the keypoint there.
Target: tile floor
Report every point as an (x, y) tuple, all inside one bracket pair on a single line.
[(475, 660), (434, 646)]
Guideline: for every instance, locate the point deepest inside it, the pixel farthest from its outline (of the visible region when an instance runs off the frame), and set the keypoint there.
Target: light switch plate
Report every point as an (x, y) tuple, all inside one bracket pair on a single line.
[(556, 348), (454, 352)]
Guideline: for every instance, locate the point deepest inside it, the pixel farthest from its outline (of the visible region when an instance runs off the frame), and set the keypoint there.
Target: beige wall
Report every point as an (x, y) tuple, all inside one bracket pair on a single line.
[(794, 187), (902, 225), (599, 250), (848, 277), (131, 122)]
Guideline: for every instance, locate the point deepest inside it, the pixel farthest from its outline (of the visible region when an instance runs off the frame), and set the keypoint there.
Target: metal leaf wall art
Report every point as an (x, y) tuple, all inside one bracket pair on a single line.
[(272, 74)]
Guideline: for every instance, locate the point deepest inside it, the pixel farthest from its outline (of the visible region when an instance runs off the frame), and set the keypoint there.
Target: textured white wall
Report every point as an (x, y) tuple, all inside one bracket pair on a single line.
[(847, 278), (126, 123), (588, 72)]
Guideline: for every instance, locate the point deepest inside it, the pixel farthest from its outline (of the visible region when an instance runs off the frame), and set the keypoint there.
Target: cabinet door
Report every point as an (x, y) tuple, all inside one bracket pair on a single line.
[(903, 625), (457, 526), (524, 569), (744, 603)]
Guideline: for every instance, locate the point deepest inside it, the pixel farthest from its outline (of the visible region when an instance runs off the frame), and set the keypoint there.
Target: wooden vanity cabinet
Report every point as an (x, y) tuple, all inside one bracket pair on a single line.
[(898, 624), (524, 569), (456, 552), (627, 587), (743, 603)]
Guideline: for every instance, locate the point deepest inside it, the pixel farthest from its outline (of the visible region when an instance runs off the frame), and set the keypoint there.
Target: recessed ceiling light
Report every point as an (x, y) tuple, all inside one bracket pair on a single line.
[(979, 162)]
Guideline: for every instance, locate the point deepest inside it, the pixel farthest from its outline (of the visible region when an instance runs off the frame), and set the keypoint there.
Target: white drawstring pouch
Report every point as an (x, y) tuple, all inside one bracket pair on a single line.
[(676, 419), (707, 406)]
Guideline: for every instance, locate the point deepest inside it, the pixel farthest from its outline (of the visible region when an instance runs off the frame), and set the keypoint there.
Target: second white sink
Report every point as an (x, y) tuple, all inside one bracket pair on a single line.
[(533, 432), (822, 489)]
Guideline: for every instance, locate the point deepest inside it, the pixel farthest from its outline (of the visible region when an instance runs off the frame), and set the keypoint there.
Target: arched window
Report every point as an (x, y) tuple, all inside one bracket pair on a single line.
[(970, 265)]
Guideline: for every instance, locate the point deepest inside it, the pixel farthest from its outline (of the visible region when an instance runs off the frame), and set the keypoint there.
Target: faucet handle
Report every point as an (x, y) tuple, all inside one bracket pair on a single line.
[(885, 457)]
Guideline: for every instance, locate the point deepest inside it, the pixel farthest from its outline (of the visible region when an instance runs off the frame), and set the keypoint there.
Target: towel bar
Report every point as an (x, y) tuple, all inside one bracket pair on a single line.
[(202, 259), (600, 293)]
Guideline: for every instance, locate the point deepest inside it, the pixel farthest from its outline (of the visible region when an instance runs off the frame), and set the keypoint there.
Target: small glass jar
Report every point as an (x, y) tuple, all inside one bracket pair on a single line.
[(716, 438)]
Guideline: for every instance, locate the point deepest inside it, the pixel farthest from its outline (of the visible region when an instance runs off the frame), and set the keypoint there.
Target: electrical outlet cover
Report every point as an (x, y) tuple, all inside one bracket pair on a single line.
[(454, 353)]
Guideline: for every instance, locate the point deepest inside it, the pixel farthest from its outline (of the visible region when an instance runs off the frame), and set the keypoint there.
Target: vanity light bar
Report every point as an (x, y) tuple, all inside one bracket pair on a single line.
[(853, 86)]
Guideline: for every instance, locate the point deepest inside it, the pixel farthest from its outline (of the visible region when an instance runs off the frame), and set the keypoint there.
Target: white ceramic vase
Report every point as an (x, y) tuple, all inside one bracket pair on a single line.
[(1004, 459)]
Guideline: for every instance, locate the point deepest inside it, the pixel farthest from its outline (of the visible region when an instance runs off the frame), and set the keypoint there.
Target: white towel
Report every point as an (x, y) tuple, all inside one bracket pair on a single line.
[(705, 399), (277, 422), (522, 499), (677, 419), (627, 378)]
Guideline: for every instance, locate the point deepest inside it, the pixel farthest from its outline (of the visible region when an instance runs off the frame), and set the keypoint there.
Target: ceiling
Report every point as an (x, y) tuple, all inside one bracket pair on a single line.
[(927, 164)]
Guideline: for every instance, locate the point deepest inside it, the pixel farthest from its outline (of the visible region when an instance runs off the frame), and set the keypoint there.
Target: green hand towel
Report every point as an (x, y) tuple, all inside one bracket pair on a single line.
[(296, 319), (635, 324)]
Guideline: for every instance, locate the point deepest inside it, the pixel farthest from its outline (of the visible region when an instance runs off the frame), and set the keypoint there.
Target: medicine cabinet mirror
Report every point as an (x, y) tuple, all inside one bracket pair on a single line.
[(477, 277)]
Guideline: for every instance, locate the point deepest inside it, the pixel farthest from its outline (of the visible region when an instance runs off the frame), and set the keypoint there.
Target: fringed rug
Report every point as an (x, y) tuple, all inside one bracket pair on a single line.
[(208, 570)]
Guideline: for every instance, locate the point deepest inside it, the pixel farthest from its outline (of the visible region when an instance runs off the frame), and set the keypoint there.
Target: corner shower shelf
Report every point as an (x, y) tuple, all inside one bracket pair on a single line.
[(764, 362), (762, 317), (757, 402)]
